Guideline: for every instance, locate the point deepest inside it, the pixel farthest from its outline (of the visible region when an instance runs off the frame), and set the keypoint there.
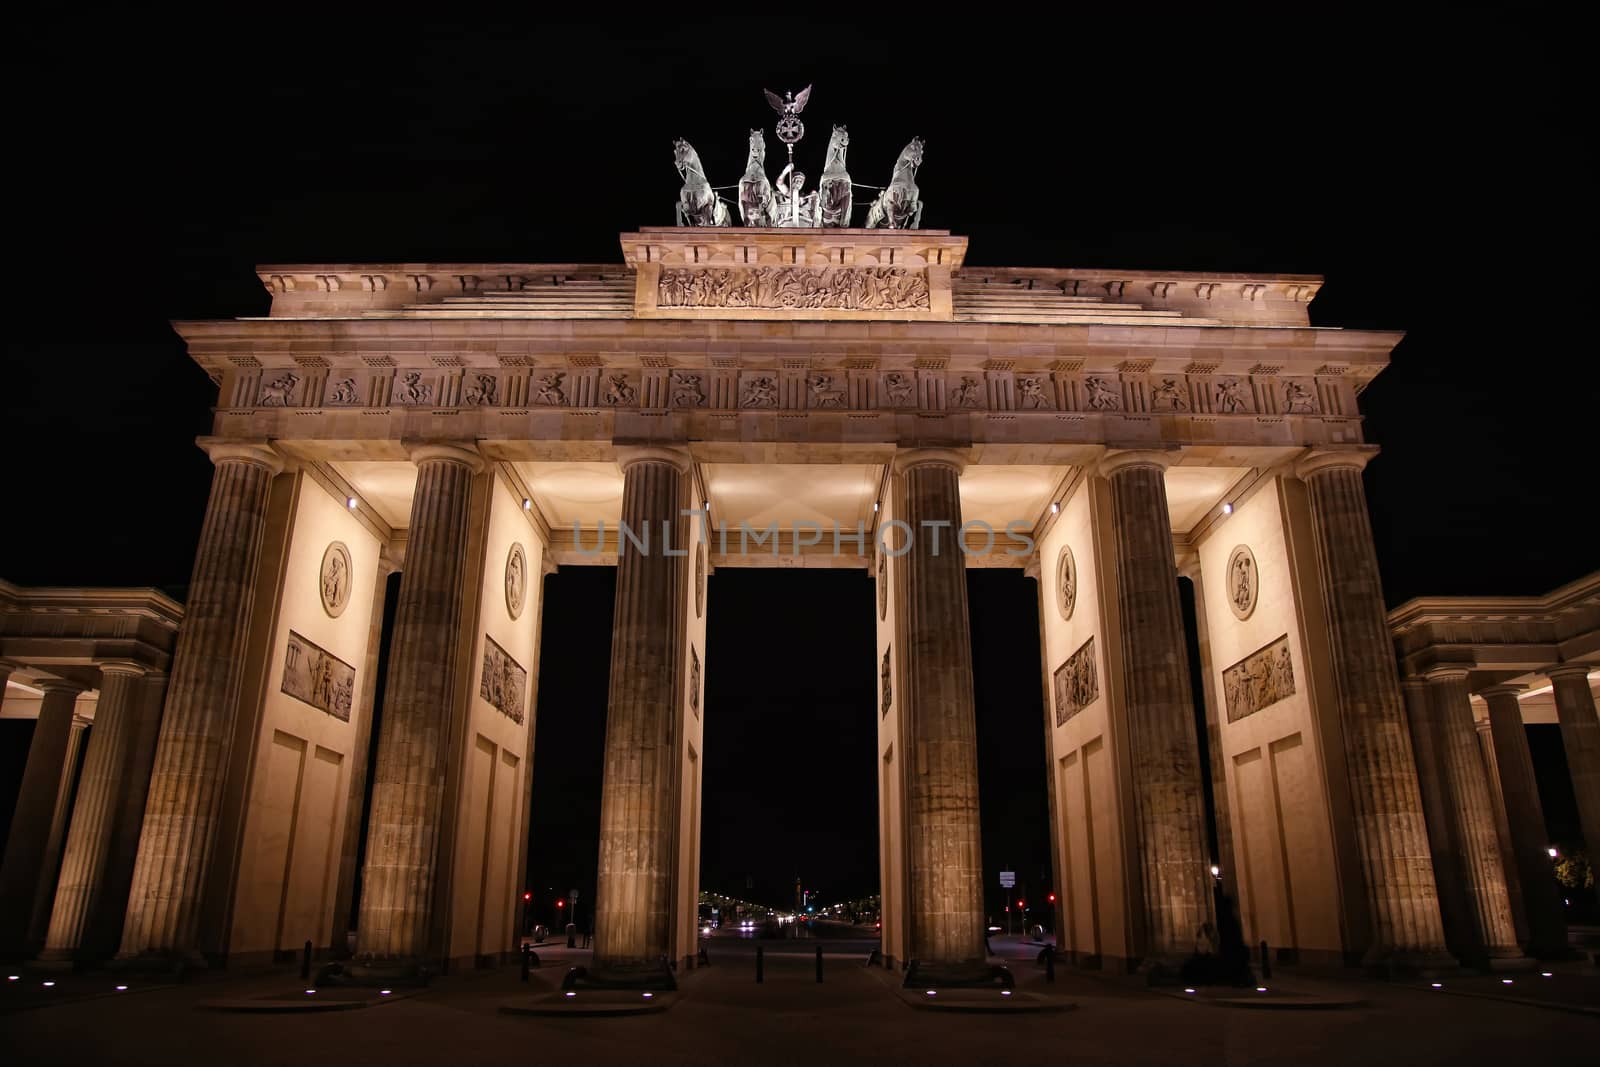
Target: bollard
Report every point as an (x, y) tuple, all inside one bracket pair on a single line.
[(305, 961), (1266, 963), (819, 964), (760, 962), (1049, 963), (527, 951)]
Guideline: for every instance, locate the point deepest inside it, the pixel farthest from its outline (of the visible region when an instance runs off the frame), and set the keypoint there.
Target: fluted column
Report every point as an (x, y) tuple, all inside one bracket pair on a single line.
[(638, 806), (1502, 829), (1390, 832), (946, 890), (180, 818), (1580, 735), (50, 864), (79, 891), (29, 840), (1481, 872), (1169, 805), (414, 732), (1525, 825), (1427, 750)]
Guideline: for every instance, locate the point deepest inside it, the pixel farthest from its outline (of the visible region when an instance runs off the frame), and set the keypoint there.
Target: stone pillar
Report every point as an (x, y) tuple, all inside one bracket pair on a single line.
[(356, 795), (1482, 875), (1502, 829), (50, 865), (1169, 805), (79, 891), (946, 887), (1519, 790), (408, 779), (638, 802), (1580, 735), (1390, 832), (37, 799), (180, 818), (1455, 909)]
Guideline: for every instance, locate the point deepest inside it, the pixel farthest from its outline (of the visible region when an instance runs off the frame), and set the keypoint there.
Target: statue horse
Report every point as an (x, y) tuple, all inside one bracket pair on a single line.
[(834, 192), (698, 204), (756, 206), (897, 207)]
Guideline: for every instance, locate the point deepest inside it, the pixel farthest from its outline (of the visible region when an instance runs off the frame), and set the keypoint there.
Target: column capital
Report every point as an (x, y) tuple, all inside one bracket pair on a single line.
[(1503, 689), (628, 455), (1323, 459), (127, 667), (1443, 672), (1122, 459), (258, 452), (10, 666), (57, 685), (462, 453), (909, 458), (1567, 670)]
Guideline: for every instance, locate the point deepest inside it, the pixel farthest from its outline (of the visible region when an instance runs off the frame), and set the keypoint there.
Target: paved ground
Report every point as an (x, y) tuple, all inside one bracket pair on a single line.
[(854, 1016)]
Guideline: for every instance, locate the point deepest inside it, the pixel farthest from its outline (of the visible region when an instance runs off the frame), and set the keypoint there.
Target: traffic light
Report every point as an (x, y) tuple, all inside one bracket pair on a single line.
[(1022, 904), (560, 903), (526, 897), (1052, 898)]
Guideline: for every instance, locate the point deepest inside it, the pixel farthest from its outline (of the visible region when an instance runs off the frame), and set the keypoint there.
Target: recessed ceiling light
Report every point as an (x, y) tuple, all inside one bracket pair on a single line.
[(1227, 509), (527, 505), (350, 502)]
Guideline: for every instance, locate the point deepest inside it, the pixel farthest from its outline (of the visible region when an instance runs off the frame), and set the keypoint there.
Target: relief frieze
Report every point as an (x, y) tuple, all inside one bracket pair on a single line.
[(807, 288)]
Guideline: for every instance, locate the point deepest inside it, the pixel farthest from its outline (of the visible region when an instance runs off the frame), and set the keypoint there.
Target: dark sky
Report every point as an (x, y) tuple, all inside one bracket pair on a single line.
[(1425, 164)]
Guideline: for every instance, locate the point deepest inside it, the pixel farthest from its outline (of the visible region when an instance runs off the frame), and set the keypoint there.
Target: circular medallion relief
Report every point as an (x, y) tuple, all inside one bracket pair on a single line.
[(883, 585), (1066, 582), (700, 581), (516, 580), (1244, 582), (334, 579)]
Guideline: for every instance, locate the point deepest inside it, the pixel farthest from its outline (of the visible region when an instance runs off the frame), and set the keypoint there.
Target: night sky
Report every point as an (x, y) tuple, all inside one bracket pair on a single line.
[(1427, 168)]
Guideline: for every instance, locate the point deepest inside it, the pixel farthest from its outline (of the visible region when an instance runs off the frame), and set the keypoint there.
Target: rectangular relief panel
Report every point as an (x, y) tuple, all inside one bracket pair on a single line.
[(1077, 683), (1262, 678), (316, 676), (504, 681)]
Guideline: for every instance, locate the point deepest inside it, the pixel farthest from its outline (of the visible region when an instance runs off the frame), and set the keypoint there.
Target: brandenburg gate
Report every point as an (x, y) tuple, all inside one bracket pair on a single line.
[(784, 397)]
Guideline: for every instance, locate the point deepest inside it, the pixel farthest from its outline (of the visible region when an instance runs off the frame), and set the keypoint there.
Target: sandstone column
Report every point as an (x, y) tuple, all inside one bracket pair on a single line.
[(1393, 840), (37, 798), (1580, 735), (1480, 869), (1169, 805), (408, 778), (79, 892), (638, 805), (1427, 744), (180, 817), (50, 864), (1519, 789), (946, 889), (1502, 829)]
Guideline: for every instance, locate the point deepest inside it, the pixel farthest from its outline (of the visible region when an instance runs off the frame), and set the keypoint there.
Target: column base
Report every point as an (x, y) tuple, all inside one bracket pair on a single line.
[(1511, 963), (406, 971), (960, 974), (173, 964), (655, 976), (1406, 963)]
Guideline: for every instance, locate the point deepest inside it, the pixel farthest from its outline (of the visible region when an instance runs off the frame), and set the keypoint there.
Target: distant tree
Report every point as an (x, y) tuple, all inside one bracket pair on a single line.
[(1573, 869)]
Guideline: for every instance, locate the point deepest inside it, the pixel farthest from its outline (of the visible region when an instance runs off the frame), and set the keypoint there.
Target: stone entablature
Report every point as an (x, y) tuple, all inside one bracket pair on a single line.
[(69, 632), (632, 289), (1500, 637)]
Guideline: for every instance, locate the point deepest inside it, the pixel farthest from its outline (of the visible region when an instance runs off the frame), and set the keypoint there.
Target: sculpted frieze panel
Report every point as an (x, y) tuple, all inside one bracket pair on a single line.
[(410, 389), (1102, 394), (967, 392), (481, 390), (1262, 678), (342, 393), (1077, 683), (799, 288), (826, 391), (503, 681), (550, 390), (279, 392), (1230, 396), (759, 391), (687, 391), (1169, 394), (316, 676), (1299, 396), (1033, 392), (620, 391)]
